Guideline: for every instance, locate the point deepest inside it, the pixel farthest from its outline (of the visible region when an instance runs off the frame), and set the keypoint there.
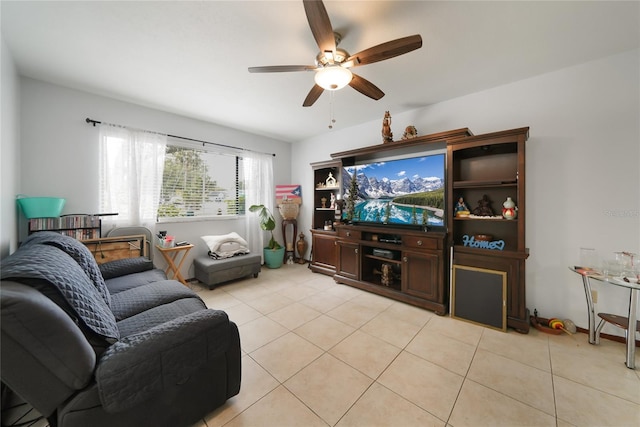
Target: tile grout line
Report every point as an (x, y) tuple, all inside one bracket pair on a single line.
[(548, 351)]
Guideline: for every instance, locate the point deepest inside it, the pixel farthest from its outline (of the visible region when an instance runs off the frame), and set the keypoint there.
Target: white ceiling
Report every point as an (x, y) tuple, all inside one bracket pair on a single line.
[(191, 58)]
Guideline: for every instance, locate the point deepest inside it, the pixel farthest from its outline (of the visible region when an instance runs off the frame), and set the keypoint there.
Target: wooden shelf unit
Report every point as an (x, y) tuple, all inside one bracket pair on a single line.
[(323, 246), (492, 165), (81, 227), (321, 171)]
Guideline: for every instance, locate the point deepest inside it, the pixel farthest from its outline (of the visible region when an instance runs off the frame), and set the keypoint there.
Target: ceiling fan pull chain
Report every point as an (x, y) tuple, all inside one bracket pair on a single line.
[(332, 120)]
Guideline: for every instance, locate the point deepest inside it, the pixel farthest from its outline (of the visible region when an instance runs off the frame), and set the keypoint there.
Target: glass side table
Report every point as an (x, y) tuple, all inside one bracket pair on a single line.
[(630, 324)]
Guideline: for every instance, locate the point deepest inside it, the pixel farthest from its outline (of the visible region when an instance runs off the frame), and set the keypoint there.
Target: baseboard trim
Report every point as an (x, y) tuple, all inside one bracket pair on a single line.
[(608, 336)]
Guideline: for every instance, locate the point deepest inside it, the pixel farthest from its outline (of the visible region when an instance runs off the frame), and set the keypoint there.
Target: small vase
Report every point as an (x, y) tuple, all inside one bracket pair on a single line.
[(301, 244), (509, 209)]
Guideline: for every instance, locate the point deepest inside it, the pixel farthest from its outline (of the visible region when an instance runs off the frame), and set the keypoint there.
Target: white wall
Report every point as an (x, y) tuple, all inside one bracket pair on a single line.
[(9, 151), (60, 152), (583, 179), (582, 161)]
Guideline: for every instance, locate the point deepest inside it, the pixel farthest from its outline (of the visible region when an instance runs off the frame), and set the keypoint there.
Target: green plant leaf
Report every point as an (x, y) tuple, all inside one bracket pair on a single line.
[(267, 223)]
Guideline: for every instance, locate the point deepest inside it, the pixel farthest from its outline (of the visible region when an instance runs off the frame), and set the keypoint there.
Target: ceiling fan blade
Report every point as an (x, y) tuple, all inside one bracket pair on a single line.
[(386, 50), (313, 96), (282, 68), (320, 25), (365, 87)]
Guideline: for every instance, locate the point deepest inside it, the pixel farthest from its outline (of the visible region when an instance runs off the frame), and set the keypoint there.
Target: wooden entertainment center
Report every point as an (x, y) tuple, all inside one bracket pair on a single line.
[(414, 264), (416, 261)]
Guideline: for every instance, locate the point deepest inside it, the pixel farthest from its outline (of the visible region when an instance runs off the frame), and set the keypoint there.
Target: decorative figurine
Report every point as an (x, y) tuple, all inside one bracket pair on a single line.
[(387, 275), (331, 181), (509, 209), (461, 208), (333, 202), (324, 202), (337, 213), (484, 207), (387, 136), (339, 207), (410, 132)]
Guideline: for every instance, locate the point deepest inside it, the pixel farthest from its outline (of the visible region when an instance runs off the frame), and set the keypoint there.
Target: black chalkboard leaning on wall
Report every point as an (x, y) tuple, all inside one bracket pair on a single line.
[(479, 296)]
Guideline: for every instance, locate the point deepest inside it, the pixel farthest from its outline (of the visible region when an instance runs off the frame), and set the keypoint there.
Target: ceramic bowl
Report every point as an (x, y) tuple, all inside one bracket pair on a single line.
[(483, 237)]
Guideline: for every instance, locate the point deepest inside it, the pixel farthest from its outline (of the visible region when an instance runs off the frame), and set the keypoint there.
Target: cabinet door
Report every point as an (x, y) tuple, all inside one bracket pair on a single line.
[(517, 312), (421, 274), (324, 250), (349, 260)]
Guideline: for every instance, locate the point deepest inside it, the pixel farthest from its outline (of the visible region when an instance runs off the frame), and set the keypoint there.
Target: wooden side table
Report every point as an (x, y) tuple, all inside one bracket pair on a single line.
[(170, 255)]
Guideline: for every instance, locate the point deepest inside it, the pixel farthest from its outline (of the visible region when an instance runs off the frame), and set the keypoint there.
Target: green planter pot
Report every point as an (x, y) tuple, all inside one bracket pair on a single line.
[(273, 257)]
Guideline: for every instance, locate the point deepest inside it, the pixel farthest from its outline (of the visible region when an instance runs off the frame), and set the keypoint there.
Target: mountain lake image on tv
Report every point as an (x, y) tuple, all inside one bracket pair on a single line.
[(407, 192)]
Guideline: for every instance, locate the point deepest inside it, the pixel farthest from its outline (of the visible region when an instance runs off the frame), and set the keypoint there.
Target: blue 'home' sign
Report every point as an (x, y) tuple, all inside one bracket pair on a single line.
[(471, 242)]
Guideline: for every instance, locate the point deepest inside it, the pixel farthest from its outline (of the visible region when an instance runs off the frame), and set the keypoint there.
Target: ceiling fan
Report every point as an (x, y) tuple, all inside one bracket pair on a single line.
[(333, 64)]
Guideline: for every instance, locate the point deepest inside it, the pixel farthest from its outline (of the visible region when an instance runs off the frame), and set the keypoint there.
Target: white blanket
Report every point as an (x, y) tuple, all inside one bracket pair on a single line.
[(226, 245)]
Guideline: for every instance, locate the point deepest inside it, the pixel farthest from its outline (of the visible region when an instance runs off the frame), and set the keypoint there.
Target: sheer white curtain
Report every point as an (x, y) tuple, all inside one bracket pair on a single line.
[(259, 190), (131, 166)]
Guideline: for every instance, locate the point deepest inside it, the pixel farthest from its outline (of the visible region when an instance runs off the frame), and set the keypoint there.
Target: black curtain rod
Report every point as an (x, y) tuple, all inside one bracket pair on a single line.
[(97, 122)]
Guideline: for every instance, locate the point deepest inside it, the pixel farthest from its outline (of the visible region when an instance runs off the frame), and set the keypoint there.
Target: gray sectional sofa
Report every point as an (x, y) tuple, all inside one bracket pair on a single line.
[(110, 345)]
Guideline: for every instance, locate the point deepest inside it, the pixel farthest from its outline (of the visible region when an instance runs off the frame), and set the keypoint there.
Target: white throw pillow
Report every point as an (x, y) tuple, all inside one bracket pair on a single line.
[(215, 241)]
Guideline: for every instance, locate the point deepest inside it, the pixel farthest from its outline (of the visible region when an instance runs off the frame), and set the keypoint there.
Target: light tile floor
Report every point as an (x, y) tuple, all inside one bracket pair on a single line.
[(316, 353)]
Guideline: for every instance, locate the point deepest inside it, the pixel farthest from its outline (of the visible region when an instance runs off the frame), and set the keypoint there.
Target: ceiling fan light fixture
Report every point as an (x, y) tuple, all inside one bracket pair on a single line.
[(333, 77)]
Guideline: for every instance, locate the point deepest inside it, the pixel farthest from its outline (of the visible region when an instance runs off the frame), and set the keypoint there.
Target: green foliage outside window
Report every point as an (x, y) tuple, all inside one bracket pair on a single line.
[(189, 189)]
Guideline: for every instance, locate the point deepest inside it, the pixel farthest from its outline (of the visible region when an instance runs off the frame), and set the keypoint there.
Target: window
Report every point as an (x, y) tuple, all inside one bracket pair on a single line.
[(130, 175), (146, 176), (200, 183)]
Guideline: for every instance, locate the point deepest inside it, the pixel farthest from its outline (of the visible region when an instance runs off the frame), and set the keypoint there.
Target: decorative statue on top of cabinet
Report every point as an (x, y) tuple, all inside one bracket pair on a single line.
[(387, 136), (410, 132)]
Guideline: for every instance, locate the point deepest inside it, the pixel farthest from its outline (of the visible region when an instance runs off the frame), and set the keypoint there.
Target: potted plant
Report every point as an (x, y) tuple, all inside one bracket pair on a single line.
[(274, 251)]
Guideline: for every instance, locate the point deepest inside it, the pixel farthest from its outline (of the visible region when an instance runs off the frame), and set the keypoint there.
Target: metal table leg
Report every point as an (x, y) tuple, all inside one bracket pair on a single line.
[(590, 310), (631, 330)]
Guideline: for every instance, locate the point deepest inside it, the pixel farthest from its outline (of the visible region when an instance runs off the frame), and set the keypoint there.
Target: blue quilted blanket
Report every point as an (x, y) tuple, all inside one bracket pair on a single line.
[(79, 252), (62, 262)]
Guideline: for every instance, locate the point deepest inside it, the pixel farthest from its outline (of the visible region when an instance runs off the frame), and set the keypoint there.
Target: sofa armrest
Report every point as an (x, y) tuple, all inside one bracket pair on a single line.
[(141, 366), (45, 356), (122, 267)]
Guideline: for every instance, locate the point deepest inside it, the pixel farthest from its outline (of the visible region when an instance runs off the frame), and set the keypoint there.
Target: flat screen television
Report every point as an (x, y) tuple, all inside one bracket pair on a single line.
[(407, 191)]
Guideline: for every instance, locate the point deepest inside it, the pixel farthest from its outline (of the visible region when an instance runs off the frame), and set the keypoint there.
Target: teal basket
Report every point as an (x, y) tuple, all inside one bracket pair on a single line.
[(41, 207)]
